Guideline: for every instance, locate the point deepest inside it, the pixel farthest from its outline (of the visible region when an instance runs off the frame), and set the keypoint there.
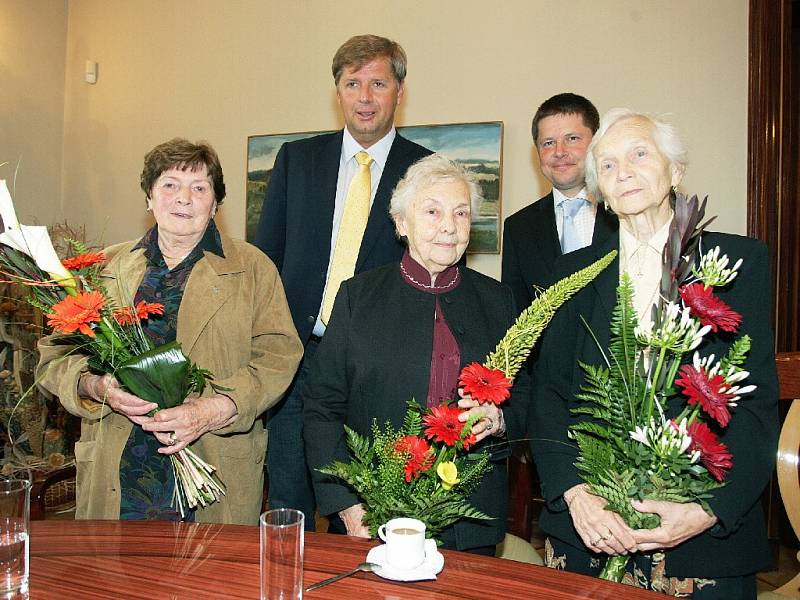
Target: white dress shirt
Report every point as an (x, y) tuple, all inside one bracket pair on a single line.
[(642, 261)]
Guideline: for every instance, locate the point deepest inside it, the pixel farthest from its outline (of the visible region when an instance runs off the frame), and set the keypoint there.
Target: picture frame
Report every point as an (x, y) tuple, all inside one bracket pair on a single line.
[(477, 146)]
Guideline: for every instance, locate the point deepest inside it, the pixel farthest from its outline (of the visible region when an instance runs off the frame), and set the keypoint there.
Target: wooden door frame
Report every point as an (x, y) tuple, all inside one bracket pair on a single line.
[(772, 203)]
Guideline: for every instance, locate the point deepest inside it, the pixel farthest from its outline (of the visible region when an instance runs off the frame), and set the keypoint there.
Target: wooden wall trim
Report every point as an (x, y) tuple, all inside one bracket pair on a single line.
[(772, 203)]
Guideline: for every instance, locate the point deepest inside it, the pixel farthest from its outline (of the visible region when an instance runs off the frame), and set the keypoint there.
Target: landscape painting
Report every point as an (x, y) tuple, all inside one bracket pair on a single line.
[(478, 146)]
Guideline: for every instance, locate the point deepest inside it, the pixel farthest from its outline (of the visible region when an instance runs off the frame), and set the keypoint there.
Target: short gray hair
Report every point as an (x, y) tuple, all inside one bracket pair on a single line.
[(665, 135), (429, 171)]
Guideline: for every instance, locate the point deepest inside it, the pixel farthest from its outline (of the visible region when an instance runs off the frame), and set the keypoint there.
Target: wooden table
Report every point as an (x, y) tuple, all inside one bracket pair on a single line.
[(152, 560)]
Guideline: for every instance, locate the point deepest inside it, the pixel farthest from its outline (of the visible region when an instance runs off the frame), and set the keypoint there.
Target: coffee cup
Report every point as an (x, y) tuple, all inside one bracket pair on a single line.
[(405, 542)]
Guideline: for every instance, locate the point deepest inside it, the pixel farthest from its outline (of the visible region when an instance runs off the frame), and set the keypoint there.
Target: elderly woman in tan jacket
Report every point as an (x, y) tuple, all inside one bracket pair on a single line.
[(224, 302)]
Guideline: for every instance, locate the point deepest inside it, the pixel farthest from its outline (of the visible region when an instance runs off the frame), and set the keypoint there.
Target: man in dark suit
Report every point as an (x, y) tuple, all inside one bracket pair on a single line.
[(536, 235), (310, 227)]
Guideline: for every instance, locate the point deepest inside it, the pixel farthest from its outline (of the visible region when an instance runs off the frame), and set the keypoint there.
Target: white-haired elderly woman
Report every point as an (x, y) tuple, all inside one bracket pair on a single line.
[(405, 331), (633, 164)]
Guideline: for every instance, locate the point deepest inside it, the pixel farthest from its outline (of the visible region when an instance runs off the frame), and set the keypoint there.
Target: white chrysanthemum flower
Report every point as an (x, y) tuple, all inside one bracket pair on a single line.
[(666, 437), (679, 331), (681, 439), (733, 375), (644, 334), (713, 269), (736, 375)]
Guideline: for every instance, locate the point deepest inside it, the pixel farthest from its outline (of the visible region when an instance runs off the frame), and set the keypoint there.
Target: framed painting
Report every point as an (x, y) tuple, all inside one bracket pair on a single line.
[(477, 146)]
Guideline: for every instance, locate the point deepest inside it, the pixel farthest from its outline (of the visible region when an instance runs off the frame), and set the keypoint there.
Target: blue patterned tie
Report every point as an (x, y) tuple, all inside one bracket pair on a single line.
[(570, 237)]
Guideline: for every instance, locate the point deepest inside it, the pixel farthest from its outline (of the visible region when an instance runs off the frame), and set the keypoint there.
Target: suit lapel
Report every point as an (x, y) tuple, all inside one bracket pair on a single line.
[(127, 272), (325, 171), (379, 225), (605, 224), (605, 284), (207, 290), (548, 242)]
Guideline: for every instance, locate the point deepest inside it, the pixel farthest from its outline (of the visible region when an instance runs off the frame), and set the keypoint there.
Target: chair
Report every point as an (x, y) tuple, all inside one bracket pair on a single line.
[(515, 548), (48, 481), (788, 460), (521, 493)]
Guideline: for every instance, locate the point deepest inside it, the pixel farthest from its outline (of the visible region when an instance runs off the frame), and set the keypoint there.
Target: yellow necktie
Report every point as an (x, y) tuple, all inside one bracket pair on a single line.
[(351, 230)]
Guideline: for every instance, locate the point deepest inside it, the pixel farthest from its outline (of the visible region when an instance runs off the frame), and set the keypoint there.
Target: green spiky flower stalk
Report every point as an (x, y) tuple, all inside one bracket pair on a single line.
[(517, 343)]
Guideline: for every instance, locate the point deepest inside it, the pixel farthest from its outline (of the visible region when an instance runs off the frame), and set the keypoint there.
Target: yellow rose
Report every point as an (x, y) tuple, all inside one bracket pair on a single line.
[(448, 473)]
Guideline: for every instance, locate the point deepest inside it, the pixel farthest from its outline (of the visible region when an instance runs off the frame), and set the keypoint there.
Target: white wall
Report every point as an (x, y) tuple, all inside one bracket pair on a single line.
[(33, 42), (225, 70)]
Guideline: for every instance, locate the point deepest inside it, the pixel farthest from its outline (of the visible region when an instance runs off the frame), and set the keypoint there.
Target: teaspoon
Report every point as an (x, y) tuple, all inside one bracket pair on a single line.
[(365, 566)]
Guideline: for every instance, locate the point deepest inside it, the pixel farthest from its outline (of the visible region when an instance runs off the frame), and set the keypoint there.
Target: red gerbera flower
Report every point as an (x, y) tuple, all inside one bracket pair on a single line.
[(145, 309), (128, 316), (443, 424), (709, 309), (485, 385), (420, 457), (74, 313), (83, 261), (469, 441), (713, 454), (706, 392), (124, 315)]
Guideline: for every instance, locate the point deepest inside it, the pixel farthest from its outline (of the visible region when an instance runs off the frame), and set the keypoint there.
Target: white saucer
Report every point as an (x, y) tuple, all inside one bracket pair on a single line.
[(433, 563)]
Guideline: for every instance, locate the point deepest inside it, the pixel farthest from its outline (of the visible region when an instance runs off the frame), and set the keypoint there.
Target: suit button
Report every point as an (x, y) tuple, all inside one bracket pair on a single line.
[(311, 319)]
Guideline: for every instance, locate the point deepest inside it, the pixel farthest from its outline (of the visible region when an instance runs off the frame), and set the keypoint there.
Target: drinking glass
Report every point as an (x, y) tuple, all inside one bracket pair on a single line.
[(282, 554), (15, 497)]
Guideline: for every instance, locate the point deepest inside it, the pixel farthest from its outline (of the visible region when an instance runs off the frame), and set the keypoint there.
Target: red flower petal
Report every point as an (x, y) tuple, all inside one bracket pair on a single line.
[(82, 261), (74, 313), (485, 385), (124, 315), (706, 392), (145, 309), (713, 454), (470, 441), (709, 309), (442, 424), (420, 457)]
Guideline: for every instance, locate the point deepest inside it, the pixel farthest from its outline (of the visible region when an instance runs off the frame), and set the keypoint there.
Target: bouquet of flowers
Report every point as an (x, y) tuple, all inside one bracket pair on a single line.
[(76, 305), (631, 449), (428, 468)]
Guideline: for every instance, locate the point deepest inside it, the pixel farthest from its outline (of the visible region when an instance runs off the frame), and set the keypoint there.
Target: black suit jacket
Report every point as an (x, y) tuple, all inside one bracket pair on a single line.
[(737, 545), (376, 356), (297, 218), (531, 246)]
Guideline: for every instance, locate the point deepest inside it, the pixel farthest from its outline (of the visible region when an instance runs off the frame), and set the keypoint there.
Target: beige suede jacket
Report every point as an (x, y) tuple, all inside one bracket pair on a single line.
[(234, 321)]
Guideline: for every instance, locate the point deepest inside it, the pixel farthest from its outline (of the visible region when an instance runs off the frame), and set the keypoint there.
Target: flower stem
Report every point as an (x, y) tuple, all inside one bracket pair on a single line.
[(651, 395), (614, 570)]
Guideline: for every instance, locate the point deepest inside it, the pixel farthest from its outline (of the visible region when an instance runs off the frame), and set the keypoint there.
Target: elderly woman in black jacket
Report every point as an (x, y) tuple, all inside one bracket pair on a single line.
[(634, 162), (405, 331)]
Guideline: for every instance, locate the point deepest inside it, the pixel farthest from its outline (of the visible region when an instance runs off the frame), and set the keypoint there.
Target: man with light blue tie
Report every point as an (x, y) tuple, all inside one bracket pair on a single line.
[(564, 220)]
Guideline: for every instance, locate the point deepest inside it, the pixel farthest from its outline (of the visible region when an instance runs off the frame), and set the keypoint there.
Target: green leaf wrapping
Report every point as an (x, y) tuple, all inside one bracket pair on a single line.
[(161, 375)]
